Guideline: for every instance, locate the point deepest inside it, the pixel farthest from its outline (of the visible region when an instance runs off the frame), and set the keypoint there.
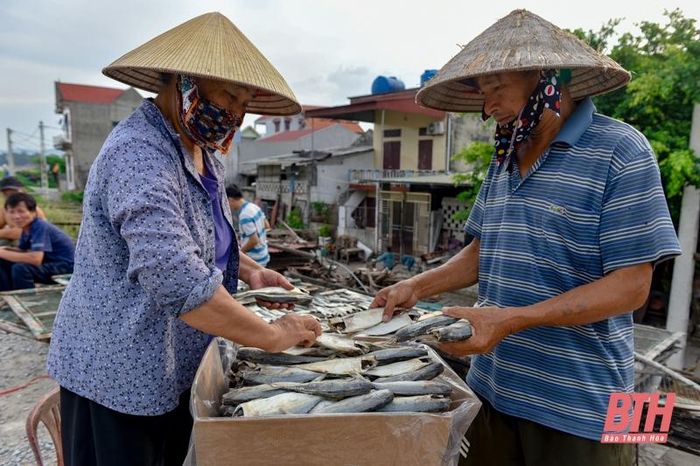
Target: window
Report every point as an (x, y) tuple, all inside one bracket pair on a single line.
[(277, 125), (423, 131), (287, 124), (392, 155), (425, 154), (392, 133)]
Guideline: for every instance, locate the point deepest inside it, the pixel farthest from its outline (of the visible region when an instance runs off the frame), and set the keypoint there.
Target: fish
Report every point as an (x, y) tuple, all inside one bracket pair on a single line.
[(275, 294), (242, 394), (397, 368), (336, 389), (417, 404), (428, 372), (459, 331), (310, 351), (416, 387), (286, 403), (390, 355), (276, 359), (422, 327), (341, 344), (259, 375), (385, 328), (341, 366), (358, 321), (360, 404), (323, 404)]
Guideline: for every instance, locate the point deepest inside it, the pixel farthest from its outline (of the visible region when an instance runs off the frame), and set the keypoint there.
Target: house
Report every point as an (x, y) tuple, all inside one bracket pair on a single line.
[(88, 115), (407, 198), (285, 135)]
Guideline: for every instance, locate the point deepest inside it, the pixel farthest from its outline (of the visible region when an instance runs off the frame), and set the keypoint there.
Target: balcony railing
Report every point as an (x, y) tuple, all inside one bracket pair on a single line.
[(374, 174), (281, 187)]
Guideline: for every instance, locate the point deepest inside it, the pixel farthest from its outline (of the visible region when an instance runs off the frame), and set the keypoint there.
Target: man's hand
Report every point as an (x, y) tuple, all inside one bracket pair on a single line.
[(260, 278), (490, 325), (402, 295), (291, 330)]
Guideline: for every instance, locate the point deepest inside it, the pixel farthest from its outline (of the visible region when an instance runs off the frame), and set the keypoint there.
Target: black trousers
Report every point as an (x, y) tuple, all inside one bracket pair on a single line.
[(94, 435)]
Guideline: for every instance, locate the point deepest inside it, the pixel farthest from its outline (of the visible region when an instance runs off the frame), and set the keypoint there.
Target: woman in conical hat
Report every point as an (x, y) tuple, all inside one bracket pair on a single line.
[(568, 224), (157, 259)]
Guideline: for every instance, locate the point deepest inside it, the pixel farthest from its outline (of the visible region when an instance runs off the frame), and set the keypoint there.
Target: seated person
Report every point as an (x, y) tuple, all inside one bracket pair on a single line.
[(8, 186), (44, 250), (387, 259)]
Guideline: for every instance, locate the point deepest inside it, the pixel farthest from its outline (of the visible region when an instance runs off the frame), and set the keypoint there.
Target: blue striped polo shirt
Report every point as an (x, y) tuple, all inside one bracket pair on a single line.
[(591, 204), (252, 220)]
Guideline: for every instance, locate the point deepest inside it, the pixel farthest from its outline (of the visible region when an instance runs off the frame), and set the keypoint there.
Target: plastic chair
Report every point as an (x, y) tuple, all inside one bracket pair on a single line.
[(46, 410)]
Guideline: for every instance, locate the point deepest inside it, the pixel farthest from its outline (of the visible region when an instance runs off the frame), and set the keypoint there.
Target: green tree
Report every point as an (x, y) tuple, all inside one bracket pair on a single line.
[(477, 156), (664, 60)]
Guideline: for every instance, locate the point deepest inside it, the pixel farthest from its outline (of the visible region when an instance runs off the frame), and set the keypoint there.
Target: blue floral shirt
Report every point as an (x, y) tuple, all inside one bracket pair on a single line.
[(145, 255)]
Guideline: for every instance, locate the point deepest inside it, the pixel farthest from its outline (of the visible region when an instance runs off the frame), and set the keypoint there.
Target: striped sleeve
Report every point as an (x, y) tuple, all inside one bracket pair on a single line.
[(635, 224), (476, 215)]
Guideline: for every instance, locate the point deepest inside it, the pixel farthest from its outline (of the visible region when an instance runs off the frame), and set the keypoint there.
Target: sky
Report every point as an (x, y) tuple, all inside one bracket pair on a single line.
[(326, 50)]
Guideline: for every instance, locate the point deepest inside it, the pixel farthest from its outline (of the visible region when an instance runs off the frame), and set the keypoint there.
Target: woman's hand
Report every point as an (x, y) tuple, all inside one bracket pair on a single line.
[(261, 278), (292, 330)]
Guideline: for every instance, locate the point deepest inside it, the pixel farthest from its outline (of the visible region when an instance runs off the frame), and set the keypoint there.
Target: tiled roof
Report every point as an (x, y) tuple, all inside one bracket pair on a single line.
[(88, 94)]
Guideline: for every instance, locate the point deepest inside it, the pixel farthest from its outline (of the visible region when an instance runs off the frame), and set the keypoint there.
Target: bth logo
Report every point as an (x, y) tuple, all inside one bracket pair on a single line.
[(619, 428)]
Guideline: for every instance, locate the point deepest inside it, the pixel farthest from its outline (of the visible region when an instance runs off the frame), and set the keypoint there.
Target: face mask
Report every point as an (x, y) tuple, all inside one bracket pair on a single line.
[(510, 136), (208, 125)]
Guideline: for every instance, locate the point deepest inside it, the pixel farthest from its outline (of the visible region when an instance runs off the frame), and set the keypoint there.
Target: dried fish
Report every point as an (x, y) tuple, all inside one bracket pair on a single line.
[(277, 359), (359, 404), (417, 387), (428, 372), (259, 375), (403, 353), (286, 403), (341, 344), (417, 404), (397, 368), (274, 294), (336, 389), (398, 322), (315, 351), (422, 327), (341, 366), (241, 395), (459, 331), (358, 321), (321, 406)]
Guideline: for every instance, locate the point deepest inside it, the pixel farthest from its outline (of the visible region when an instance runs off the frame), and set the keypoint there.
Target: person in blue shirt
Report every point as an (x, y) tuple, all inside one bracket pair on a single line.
[(44, 250), (568, 225)]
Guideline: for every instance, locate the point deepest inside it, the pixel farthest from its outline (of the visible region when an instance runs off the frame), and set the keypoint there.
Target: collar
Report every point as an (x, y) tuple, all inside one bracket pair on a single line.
[(576, 124)]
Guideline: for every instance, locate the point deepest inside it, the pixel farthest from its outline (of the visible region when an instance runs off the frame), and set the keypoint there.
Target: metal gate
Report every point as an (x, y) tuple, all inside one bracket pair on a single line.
[(404, 222)]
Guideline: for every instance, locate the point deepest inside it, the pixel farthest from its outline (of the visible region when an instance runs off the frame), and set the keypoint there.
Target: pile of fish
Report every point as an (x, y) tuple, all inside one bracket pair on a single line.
[(339, 375), (274, 294)]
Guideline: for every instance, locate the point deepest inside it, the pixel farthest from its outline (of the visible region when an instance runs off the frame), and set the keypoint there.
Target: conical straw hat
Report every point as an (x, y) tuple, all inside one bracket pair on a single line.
[(520, 41), (208, 46)]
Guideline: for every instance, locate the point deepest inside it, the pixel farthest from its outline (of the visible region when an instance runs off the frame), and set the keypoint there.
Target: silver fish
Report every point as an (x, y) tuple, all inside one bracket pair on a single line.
[(416, 387), (341, 344), (241, 395), (360, 404), (274, 294), (428, 372), (286, 403), (422, 327), (336, 389), (323, 404), (459, 331), (389, 355), (417, 404), (358, 321), (400, 367), (269, 374), (385, 328), (276, 359), (341, 366)]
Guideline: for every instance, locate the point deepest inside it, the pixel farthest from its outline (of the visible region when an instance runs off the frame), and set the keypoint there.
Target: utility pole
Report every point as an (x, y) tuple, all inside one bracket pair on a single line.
[(684, 265), (44, 175), (10, 154)]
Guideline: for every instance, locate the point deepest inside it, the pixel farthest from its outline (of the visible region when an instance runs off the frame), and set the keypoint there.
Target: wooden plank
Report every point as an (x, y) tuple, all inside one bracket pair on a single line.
[(32, 291), (35, 326), (16, 329)]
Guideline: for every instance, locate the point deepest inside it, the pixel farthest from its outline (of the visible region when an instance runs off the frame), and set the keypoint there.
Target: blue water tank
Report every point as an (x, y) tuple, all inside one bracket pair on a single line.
[(425, 77), (386, 84)]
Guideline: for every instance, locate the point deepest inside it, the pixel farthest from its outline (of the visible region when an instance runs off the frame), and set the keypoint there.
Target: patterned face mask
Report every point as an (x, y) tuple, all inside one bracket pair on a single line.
[(208, 125), (510, 136)]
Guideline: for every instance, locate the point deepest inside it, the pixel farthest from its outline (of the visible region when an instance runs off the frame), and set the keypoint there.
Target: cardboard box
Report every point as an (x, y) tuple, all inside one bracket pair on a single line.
[(325, 439)]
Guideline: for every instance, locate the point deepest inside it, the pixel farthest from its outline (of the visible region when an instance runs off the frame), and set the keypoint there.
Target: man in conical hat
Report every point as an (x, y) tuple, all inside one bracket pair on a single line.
[(568, 225), (157, 258)]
